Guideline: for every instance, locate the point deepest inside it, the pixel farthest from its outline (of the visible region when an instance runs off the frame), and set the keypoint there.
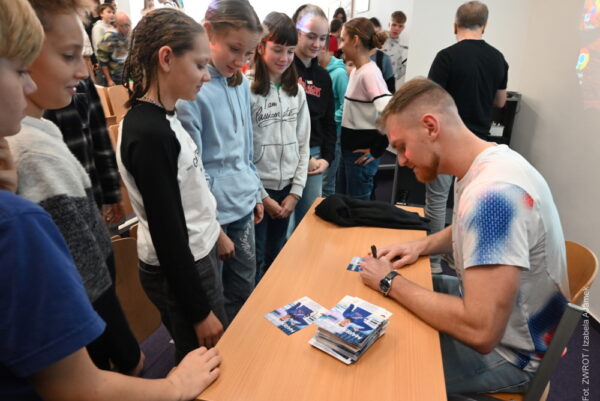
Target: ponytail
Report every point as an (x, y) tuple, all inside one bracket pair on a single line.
[(364, 29)]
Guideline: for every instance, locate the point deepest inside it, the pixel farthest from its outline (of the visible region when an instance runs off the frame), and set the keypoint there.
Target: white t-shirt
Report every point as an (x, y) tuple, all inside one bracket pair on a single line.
[(504, 214), (398, 51)]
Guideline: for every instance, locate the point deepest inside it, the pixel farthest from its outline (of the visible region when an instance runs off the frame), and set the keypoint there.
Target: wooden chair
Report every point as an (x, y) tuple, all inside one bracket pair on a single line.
[(113, 133), (580, 277), (106, 107), (141, 313), (133, 231), (582, 267), (118, 96)]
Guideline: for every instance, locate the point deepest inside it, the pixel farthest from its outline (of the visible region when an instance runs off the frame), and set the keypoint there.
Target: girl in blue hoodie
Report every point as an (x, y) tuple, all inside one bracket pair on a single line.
[(281, 133), (219, 121)]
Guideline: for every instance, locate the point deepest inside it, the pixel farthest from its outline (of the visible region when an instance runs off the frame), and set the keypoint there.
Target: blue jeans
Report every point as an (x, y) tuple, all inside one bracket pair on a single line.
[(239, 272), (436, 196), (329, 176), (312, 190), (356, 180), (468, 371), (270, 235)]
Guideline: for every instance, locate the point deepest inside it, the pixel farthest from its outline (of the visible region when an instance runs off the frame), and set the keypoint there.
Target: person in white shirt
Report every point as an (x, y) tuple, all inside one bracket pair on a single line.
[(104, 24), (497, 316), (395, 48)]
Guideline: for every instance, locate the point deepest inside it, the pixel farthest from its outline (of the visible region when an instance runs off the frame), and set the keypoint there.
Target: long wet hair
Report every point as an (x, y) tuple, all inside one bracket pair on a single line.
[(225, 15), (282, 31), (160, 27)]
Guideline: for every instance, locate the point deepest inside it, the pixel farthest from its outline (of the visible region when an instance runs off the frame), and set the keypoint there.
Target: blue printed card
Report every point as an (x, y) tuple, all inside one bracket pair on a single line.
[(295, 316), (355, 264)]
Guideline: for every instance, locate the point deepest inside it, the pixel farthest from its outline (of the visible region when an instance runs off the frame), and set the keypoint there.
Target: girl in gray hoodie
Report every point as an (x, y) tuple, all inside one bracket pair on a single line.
[(281, 124)]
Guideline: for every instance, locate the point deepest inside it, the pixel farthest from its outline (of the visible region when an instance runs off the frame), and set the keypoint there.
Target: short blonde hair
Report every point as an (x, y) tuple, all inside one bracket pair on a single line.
[(21, 33), (417, 92)]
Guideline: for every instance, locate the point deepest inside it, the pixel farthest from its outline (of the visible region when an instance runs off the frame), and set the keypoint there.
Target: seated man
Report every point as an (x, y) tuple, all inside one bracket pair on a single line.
[(496, 318)]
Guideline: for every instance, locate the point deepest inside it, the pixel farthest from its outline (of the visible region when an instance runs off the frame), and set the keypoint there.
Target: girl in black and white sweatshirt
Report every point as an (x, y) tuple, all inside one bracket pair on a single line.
[(163, 172)]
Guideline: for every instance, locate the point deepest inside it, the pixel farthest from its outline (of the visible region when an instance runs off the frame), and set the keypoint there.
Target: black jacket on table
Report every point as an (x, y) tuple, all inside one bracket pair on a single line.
[(349, 212), (319, 95)]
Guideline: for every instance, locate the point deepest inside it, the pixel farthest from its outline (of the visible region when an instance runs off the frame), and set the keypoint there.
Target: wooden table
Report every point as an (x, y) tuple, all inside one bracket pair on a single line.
[(262, 363)]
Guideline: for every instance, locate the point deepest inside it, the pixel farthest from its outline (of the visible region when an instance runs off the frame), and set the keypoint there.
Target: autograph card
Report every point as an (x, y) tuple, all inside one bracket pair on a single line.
[(355, 264)]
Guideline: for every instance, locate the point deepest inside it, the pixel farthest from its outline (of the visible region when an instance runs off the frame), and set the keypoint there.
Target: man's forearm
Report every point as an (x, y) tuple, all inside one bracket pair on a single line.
[(479, 318), (440, 242), (443, 312)]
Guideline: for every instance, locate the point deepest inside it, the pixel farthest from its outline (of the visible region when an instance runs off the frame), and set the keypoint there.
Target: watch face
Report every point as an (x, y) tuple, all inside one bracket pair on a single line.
[(384, 285)]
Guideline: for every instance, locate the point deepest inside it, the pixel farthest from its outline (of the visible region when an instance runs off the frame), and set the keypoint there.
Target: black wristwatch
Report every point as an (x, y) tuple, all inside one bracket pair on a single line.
[(385, 285)]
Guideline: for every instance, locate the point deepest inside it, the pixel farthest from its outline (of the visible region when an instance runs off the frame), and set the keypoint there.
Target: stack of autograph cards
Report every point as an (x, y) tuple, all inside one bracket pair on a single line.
[(295, 316), (350, 328)]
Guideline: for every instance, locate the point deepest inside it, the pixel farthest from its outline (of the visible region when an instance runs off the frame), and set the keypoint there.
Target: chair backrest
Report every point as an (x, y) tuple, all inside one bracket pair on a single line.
[(113, 133), (582, 267), (118, 96), (133, 231), (560, 339), (104, 101), (538, 386), (142, 315)]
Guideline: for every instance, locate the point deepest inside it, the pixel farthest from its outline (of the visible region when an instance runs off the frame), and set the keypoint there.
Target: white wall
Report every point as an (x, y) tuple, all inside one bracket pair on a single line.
[(432, 30), (555, 133), (551, 130), (383, 9)]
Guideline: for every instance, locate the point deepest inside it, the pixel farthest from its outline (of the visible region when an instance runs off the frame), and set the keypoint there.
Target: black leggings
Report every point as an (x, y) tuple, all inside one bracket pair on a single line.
[(117, 343)]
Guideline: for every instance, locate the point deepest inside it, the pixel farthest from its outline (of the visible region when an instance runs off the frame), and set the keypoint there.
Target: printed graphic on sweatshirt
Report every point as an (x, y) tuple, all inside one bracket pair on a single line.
[(271, 114), (309, 87)]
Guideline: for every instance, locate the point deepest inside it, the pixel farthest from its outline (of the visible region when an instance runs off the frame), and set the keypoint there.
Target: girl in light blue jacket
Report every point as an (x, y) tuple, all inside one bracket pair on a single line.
[(219, 122), (281, 123)]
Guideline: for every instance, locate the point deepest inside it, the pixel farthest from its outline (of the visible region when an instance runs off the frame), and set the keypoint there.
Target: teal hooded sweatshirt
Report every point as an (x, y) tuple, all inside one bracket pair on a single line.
[(339, 78)]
